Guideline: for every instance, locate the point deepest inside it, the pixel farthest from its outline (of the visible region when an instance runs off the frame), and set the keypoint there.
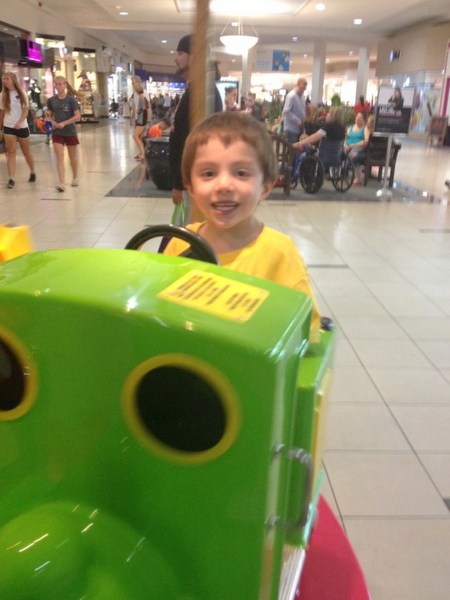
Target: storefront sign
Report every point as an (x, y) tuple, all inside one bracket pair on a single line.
[(33, 51)]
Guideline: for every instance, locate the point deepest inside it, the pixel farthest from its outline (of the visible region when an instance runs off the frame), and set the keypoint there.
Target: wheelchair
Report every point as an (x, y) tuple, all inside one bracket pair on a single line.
[(328, 160)]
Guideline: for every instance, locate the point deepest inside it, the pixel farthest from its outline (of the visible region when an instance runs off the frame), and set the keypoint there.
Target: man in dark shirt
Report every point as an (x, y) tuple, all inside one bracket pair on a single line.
[(181, 125)]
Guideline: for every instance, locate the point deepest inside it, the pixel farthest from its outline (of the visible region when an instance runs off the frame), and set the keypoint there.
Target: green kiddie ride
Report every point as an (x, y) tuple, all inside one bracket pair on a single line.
[(161, 425)]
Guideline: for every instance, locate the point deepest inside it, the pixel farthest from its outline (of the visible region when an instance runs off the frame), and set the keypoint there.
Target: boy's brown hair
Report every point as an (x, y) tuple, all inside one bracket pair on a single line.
[(165, 121), (230, 127)]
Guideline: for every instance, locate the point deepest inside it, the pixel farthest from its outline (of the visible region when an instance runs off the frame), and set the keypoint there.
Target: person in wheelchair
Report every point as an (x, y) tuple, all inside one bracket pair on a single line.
[(330, 158), (313, 122), (333, 131)]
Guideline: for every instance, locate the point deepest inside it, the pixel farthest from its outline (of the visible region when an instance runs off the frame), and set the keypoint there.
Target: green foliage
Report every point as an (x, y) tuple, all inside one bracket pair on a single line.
[(336, 100), (348, 115), (274, 111)]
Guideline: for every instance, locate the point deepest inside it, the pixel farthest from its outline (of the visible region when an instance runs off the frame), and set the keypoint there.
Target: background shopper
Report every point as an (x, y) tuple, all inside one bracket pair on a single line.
[(65, 112), (14, 110)]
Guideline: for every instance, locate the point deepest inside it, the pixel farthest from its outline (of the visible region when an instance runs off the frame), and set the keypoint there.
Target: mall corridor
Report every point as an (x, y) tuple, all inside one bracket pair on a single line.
[(381, 270)]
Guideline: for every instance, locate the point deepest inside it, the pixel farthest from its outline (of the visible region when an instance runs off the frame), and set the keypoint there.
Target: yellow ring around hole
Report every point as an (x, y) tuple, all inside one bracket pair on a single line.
[(29, 371), (215, 379)]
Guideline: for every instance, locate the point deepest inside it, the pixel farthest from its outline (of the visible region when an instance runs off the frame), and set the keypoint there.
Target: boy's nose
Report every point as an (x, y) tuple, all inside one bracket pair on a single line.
[(224, 180)]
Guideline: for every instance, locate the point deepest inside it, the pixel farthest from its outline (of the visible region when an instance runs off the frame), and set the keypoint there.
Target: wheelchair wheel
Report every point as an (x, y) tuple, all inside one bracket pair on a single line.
[(311, 174), (342, 177)]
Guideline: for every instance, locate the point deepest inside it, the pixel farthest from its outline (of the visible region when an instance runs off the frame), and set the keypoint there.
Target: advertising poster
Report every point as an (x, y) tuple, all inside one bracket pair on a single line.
[(224, 84), (281, 60), (393, 110), (272, 60)]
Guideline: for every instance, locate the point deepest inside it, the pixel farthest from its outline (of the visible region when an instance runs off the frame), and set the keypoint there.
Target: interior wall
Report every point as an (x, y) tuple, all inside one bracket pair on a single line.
[(40, 20), (421, 49)]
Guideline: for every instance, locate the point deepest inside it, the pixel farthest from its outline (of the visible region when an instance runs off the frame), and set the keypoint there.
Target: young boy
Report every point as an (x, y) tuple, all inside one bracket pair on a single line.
[(156, 130), (48, 126), (228, 167)]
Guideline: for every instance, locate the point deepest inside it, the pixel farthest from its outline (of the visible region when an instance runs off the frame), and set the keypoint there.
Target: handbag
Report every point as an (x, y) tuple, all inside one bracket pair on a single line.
[(141, 116)]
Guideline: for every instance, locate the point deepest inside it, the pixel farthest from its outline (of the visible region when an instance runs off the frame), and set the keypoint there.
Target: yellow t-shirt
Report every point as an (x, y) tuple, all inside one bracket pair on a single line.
[(273, 256)]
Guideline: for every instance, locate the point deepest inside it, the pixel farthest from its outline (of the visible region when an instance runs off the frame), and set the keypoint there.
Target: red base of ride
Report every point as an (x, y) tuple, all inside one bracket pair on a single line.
[(331, 570)]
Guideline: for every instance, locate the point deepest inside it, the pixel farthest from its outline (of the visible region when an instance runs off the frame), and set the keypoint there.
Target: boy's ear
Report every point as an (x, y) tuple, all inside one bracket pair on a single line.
[(267, 188)]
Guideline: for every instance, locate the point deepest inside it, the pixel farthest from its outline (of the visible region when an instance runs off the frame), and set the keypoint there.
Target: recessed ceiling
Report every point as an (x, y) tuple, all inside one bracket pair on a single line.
[(140, 33), (249, 8)]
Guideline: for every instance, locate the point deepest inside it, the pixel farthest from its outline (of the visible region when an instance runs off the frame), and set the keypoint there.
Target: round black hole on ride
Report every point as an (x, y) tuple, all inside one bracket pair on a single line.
[(180, 409), (12, 381)]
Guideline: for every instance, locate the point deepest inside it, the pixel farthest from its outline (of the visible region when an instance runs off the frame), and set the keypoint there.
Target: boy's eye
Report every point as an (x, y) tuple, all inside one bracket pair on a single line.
[(207, 174), (243, 173)]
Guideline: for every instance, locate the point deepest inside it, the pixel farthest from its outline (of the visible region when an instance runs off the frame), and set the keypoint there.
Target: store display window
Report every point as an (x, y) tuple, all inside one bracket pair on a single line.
[(85, 82)]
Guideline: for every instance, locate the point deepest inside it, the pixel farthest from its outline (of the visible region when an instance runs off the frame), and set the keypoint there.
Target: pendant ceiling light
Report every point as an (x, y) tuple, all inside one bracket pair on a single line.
[(237, 42)]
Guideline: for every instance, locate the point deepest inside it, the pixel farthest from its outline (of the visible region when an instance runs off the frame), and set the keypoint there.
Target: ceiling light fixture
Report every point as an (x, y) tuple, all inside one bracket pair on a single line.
[(320, 6), (238, 43), (357, 21)]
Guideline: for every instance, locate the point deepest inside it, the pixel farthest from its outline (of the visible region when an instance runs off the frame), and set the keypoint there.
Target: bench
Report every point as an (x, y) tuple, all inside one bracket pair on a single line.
[(376, 157)]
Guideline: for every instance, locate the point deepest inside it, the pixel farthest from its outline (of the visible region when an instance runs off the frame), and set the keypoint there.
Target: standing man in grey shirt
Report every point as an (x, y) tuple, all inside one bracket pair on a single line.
[(294, 111)]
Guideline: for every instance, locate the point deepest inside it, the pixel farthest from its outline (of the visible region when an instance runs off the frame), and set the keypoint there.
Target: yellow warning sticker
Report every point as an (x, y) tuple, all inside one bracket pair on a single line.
[(217, 295)]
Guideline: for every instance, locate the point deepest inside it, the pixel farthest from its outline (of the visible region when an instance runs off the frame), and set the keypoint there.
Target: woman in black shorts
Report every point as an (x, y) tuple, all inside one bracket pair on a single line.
[(13, 119)]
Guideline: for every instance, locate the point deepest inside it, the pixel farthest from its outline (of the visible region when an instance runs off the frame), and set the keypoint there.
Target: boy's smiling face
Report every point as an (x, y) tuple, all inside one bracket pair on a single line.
[(227, 183)]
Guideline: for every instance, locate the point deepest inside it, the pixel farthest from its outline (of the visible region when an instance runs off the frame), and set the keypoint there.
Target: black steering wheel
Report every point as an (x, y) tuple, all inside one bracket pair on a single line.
[(198, 249)]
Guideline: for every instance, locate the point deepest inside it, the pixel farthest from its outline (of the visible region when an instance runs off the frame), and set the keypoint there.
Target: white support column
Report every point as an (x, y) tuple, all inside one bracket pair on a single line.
[(248, 59), (70, 71), (318, 72), (363, 73), (245, 77)]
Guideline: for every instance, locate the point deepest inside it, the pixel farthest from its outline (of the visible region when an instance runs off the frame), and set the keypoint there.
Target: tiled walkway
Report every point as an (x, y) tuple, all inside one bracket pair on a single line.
[(382, 271)]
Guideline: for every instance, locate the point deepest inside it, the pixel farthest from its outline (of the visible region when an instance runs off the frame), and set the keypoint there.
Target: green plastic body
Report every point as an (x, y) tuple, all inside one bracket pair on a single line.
[(98, 497)]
